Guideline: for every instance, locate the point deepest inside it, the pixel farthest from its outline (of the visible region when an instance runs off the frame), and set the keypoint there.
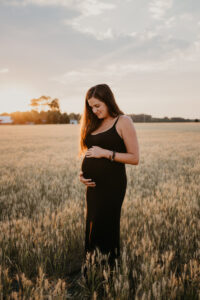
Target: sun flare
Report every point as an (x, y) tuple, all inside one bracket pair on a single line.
[(16, 98)]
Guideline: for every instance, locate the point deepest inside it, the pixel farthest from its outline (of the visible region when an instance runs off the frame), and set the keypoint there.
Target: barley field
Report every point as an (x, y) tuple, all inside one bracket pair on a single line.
[(42, 217)]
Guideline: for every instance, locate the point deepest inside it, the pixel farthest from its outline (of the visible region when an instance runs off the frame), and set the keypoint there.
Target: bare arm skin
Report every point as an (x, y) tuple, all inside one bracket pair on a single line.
[(129, 136)]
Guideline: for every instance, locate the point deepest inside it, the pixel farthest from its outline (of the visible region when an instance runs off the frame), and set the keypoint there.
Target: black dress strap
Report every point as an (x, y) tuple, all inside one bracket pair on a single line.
[(116, 121)]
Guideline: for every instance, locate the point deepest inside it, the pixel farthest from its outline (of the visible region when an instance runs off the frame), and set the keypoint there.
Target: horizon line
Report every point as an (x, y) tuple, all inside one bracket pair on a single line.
[(193, 118)]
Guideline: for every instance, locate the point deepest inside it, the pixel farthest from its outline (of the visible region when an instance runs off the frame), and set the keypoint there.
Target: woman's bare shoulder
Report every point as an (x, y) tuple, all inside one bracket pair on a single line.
[(123, 122), (124, 119)]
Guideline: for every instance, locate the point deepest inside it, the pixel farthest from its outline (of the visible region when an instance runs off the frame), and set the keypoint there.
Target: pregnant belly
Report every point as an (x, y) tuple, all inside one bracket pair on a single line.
[(96, 168), (102, 169)]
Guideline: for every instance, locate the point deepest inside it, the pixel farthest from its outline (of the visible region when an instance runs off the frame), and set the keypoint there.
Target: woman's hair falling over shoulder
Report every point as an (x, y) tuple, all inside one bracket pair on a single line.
[(89, 121)]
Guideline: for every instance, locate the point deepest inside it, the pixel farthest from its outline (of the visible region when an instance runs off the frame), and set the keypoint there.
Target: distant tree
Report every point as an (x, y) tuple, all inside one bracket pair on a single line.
[(166, 119), (54, 105), (141, 118), (34, 104), (64, 118), (177, 119), (18, 117), (73, 116), (54, 117), (4, 114), (42, 101), (43, 116)]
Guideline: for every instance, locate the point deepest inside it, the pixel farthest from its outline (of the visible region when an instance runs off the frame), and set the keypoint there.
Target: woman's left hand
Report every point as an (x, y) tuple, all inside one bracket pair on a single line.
[(95, 151)]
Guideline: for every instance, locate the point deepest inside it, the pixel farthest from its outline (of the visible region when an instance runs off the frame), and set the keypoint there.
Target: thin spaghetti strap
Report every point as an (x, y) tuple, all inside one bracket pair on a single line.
[(116, 120)]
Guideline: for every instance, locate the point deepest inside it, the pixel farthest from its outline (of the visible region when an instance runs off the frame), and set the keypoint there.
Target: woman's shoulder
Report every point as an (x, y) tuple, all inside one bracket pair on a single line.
[(124, 122), (125, 119)]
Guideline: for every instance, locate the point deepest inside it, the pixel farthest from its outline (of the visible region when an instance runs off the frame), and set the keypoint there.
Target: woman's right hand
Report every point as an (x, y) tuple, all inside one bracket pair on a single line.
[(87, 182)]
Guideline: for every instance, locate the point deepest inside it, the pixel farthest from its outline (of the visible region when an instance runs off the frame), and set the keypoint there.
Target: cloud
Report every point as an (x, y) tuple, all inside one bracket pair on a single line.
[(186, 17), (192, 54), (115, 71), (158, 8), (142, 36), (5, 70), (108, 34), (170, 22), (178, 59), (130, 31), (37, 2), (98, 35), (85, 7), (91, 8)]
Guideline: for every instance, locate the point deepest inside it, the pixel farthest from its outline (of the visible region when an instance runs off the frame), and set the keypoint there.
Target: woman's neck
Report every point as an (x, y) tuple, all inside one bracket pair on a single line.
[(107, 120)]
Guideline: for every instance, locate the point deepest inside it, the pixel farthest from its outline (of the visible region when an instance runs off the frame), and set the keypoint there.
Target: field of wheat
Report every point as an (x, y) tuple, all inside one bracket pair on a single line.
[(42, 217)]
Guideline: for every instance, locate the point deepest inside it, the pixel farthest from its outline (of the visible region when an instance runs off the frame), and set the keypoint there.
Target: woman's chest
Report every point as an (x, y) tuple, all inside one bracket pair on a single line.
[(107, 141)]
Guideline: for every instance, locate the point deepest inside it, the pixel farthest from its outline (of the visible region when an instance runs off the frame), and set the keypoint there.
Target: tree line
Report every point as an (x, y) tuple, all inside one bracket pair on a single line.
[(148, 119), (38, 114), (53, 115)]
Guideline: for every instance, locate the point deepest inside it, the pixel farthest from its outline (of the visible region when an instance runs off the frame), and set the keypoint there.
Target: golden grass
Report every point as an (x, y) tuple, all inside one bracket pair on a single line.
[(42, 211)]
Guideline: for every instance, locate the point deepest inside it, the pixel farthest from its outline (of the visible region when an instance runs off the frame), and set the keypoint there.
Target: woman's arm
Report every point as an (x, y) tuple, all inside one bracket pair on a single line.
[(129, 136)]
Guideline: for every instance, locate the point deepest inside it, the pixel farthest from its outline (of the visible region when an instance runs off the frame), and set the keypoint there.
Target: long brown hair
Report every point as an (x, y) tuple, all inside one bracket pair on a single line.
[(89, 121)]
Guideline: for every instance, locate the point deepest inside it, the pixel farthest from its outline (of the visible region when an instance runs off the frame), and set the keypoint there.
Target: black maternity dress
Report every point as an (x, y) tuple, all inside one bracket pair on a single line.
[(104, 201)]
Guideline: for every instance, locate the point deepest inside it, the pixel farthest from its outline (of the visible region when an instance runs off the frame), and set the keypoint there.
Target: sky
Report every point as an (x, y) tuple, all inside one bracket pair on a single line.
[(147, 51)]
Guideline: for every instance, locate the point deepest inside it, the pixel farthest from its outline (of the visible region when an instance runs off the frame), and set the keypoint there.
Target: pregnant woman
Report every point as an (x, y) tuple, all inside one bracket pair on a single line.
[(108, 139)]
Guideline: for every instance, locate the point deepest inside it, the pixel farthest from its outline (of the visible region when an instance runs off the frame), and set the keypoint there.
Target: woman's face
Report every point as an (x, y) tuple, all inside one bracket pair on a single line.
[(99, 108)]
